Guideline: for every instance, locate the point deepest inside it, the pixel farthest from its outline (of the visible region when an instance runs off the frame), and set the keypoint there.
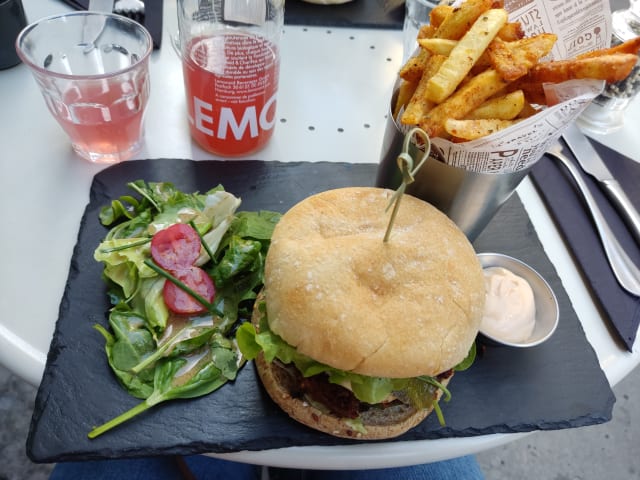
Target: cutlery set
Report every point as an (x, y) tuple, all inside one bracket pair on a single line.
[(591, 163), (626, 272)]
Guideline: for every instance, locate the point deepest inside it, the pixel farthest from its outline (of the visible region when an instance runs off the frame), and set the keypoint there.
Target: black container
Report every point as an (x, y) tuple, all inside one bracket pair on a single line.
[(12, 21)]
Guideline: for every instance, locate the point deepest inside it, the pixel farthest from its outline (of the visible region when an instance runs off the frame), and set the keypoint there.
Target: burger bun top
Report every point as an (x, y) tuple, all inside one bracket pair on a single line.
[(339, 294)]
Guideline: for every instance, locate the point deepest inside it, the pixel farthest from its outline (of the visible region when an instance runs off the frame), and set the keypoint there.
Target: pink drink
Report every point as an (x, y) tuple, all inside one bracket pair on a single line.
[(93, 71), (231, 81), (103, 118)]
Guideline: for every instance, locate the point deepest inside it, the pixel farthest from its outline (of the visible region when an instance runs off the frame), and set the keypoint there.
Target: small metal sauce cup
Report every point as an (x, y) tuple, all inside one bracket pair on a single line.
[(547, 309)]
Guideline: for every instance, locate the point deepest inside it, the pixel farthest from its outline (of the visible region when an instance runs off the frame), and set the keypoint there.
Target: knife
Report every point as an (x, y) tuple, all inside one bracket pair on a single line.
[(591, 163)]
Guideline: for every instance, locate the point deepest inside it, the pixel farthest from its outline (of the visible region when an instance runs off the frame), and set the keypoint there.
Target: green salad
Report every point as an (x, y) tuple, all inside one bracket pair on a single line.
[(182, 271)]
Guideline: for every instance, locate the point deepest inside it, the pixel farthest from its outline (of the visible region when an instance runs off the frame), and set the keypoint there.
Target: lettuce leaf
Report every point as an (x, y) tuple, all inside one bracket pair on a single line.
[(366, 389), (421, 391)]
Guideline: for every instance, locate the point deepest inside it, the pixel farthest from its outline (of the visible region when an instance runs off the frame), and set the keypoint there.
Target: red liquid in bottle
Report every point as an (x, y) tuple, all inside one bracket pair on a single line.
[(231, 81)]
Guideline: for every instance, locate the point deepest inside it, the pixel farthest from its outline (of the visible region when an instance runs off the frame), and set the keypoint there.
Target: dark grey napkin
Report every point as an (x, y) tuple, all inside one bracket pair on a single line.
[(152, 16), (574, 221), (355, 14)]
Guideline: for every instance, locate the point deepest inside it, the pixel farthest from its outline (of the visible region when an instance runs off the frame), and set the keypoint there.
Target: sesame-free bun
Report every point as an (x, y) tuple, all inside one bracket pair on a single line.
[(340, 295)]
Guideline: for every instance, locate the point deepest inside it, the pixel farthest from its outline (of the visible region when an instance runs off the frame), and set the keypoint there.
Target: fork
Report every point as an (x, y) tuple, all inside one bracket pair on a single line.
[(625, 271), (134, 9)]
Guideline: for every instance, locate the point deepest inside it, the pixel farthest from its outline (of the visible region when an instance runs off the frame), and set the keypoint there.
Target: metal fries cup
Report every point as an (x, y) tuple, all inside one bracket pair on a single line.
[(470, 199)]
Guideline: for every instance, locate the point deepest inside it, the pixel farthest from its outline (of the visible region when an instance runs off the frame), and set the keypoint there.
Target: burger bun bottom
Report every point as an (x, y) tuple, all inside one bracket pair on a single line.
[(379, 423)]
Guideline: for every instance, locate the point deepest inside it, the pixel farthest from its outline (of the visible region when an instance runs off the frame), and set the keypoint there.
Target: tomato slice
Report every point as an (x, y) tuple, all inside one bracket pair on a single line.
[(176, 247), (179, 301)]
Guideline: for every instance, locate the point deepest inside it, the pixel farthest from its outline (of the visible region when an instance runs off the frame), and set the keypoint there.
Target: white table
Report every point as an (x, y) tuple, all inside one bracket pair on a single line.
[(334, 88)]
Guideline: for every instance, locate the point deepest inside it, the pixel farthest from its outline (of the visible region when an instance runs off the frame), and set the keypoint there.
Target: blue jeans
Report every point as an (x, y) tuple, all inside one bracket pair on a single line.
[(198, 467)]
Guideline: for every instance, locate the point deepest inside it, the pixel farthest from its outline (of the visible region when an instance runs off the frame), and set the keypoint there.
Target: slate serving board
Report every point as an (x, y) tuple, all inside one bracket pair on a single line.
[(356, 14), (556, 385)]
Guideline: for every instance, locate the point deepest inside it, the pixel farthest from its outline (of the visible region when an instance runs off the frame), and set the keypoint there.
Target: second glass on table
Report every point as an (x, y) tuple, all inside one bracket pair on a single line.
[(231, 62), (606, 112)]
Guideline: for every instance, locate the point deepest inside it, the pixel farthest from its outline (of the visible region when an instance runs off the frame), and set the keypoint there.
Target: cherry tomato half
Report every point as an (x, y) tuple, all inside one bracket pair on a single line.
[(175, 247), (179, 301)]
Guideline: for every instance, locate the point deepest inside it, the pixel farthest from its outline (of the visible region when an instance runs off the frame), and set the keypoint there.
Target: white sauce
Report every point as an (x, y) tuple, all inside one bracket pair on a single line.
[(510, 310)]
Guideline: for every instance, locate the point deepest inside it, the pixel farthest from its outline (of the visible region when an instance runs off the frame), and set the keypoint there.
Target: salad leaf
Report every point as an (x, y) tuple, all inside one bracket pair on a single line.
[(129, 344), (421, 390), (242, 255), (182, 336), (155, 310), (366, 389), (125, 206), (256, 225), (184, 377), (220, 207), (134, 227), (468, 360)]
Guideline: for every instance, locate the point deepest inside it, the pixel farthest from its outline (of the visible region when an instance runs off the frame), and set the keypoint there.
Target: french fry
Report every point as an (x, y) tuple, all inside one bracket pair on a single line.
[(465, 54), (472, 129), (511, 31), (438, 14), (611, 68), (405, 92), (513, 60), (533, 92), (419, 106), (505, 107), (426, 31), (438, 46), (527, 111), (467, 98), (630, 46), (456, 24), (412, 70)]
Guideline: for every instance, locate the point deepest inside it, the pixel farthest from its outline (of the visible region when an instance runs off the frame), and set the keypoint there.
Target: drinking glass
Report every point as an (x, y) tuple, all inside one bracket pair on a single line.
[(93, 72), (231, 63)]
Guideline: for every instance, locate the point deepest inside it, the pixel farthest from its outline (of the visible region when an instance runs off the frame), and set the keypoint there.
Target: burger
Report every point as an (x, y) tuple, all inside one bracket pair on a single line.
[(356, 336)]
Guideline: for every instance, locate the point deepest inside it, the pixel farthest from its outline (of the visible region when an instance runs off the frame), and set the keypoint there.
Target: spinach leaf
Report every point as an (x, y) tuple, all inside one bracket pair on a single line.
[(256, 225), (126, 206), (126, 347), (240, 256), (197, 374), (183, 335)]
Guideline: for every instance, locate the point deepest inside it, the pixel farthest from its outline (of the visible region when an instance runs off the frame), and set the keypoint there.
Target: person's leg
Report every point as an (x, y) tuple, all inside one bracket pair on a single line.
[(463, 468), (208, 468), (160, 468), (195, 467)]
